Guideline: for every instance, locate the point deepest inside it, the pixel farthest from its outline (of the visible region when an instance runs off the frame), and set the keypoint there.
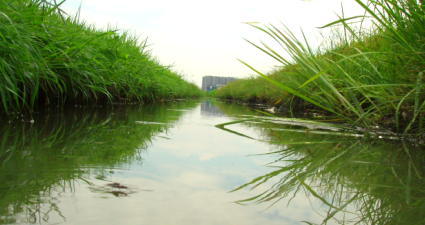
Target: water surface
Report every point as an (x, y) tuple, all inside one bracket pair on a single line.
[(176, 163)]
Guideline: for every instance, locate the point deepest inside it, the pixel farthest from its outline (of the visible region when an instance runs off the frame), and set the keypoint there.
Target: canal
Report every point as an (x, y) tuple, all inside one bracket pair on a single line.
[(207, 162)]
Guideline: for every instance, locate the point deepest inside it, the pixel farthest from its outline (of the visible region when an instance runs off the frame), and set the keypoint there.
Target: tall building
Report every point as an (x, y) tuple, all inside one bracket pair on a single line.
[(210, 83)]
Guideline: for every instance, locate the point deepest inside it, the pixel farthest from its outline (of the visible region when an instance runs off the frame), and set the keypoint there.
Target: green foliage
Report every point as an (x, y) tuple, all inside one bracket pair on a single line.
[(48, 58), (252, 90), (367, 78)]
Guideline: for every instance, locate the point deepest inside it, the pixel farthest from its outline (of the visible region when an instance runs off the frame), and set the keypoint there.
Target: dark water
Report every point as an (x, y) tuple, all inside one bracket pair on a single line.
[(177, 163)]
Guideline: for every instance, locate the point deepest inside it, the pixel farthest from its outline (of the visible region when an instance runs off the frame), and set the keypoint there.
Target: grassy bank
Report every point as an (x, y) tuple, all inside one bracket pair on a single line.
[(47, 57), (253, 89), (368, 77)]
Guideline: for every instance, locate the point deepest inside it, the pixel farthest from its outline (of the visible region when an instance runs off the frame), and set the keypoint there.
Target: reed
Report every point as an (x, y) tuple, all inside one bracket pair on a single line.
[(48, 57), (368, 76)]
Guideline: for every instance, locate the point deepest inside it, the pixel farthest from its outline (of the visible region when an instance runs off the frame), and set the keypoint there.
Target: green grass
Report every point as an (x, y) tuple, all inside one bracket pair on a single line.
[(260, 91), (47, 57), (368, 77)]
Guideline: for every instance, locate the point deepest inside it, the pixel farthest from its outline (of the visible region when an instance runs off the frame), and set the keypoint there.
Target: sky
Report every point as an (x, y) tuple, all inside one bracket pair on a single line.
[(199, 38)]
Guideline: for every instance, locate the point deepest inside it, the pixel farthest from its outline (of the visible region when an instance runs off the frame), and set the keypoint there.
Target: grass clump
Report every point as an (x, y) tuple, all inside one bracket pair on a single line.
[(368, 77), (47, 57), (259, 91)]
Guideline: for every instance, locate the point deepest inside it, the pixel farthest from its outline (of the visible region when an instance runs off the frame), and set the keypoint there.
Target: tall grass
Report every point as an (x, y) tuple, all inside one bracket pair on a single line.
[(369, 76), (47, 57)]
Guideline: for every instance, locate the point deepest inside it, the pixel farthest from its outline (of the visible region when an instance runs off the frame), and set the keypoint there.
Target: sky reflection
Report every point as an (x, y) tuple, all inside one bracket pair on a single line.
[(183, 177)]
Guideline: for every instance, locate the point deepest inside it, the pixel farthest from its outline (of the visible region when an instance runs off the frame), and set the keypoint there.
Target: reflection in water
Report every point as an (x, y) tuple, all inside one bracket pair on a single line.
[(208, 108), (41, 161), (360, 181), (84, 167)]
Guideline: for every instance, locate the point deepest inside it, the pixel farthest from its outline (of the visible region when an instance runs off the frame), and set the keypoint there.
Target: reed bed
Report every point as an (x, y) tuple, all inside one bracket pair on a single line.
[(48, 57), (368, 76)]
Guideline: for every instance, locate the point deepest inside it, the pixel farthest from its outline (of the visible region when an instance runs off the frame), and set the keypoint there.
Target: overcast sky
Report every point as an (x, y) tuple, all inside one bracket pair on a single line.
[(199, 38)]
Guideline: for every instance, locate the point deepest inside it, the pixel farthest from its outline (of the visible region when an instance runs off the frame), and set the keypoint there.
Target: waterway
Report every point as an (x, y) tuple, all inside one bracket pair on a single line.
[(207, 162)]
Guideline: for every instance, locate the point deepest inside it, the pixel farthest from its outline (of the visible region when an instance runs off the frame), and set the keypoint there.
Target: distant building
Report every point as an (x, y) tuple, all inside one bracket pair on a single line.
[(210, 83)]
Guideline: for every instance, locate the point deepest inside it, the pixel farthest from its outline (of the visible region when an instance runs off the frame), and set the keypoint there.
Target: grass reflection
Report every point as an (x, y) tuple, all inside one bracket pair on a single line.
[(358, 180), (41, 160)]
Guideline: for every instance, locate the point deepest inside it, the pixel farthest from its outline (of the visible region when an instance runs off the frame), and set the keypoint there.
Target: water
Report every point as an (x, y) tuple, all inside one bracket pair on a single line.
[(177, 163)]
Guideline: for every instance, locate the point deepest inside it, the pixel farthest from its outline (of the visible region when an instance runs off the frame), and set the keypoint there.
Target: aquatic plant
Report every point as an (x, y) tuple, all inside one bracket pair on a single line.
[(48, 57), (370, 76)]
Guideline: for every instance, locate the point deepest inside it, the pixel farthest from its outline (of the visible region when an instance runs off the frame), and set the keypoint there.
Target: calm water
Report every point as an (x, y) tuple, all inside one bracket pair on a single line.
[(177, 163)]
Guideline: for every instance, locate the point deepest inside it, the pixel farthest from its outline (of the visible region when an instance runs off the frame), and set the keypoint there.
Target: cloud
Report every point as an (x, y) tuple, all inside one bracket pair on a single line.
[(205, 37)]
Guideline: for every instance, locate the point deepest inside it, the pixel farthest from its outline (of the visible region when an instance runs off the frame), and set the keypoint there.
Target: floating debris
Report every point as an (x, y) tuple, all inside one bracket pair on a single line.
[(317, 127), (116, 189), (117, 185), (164, 137), (119, 193), (150, 123), (179, 110)]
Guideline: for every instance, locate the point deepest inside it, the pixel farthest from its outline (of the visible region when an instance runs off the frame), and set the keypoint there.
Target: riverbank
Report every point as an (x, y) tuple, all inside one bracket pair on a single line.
[(50, 58), (366, 77)]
